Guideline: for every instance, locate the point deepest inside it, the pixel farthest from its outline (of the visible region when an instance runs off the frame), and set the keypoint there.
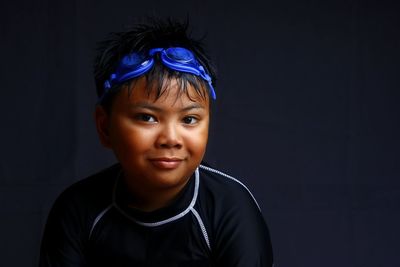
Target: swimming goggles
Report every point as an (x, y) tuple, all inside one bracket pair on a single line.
[(176, 58)]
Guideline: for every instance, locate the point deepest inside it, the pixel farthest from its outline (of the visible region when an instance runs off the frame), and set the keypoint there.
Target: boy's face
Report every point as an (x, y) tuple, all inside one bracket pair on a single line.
[(159, 142)]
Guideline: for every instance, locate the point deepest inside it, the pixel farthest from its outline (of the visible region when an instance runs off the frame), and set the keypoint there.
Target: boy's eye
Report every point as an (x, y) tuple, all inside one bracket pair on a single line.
[(146, 118), (190, 120)]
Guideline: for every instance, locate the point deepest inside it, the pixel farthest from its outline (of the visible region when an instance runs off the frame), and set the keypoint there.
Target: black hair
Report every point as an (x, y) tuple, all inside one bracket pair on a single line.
[(140, 38)]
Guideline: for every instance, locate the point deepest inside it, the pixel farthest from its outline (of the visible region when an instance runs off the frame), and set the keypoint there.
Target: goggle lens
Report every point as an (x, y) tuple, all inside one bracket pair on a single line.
[(179, 54), (132, 60)]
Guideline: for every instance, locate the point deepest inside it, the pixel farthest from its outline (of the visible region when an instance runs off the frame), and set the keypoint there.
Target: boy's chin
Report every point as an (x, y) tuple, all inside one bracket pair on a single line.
[(162, 175)]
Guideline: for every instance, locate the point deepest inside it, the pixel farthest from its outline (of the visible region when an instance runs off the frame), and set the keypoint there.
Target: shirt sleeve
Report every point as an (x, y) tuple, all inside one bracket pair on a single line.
[(242, 236), (62, 244)]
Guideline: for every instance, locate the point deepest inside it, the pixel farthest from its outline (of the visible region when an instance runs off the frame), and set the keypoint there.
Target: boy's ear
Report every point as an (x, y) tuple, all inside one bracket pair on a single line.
[(102, 125)]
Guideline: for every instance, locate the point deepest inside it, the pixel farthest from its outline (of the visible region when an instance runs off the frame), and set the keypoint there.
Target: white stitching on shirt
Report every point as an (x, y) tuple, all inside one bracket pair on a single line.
[(232, 178), (203, 228), (171, 219), (98, 219)]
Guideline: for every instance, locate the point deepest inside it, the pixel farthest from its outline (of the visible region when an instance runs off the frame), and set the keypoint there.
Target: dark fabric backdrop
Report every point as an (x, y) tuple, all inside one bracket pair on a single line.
[(307, 116)]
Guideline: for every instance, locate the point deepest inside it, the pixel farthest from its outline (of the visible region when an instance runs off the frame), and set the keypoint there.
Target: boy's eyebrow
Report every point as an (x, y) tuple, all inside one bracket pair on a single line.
[(155, 108), (145, 106), (193, 106)]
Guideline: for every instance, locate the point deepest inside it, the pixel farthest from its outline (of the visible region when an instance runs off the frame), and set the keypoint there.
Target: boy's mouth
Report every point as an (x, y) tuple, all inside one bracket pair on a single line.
[(166, 163)]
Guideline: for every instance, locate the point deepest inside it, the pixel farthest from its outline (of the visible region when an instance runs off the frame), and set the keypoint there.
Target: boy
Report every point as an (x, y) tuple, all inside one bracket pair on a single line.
[(159, 206)]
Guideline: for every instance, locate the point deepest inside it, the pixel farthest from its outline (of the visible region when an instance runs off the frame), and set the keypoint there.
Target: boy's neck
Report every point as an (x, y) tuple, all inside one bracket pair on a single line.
[(149, 200)]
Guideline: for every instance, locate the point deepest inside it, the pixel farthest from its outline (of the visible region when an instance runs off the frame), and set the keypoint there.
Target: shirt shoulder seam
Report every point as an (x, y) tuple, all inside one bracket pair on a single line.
[(223, 174)]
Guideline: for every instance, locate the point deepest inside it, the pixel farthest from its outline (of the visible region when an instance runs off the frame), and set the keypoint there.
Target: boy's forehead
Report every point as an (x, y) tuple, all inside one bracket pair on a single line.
[(170, 88), (171, 91)]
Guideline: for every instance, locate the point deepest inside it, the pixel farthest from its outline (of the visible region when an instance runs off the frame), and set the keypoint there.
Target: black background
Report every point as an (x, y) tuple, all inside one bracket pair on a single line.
[(306, 115)]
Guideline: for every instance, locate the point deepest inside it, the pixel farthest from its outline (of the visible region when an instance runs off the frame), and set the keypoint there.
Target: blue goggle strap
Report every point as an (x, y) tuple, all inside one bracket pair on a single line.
[(121, 75)]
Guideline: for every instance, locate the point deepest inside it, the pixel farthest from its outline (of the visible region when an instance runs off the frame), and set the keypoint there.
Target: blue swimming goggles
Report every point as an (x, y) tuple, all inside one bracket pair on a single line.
[(176, 58)]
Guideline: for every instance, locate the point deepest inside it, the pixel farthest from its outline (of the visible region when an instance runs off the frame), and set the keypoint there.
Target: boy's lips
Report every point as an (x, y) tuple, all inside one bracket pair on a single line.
[(166, 163)]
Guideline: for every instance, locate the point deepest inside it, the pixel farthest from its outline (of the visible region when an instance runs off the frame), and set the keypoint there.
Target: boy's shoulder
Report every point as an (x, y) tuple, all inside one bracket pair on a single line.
[(94, 190), (103, 180), (224, 187)]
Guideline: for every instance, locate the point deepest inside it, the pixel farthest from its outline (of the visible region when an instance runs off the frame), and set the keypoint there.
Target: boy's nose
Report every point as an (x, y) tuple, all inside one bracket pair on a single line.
[(169, 137)]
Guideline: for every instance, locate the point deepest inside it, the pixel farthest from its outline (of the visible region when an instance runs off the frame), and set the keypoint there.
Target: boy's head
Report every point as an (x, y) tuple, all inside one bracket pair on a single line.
[(157, 122), (121, 54)]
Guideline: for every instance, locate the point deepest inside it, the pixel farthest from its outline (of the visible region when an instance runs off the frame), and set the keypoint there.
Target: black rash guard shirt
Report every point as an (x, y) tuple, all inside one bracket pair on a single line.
[(214, 221)]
